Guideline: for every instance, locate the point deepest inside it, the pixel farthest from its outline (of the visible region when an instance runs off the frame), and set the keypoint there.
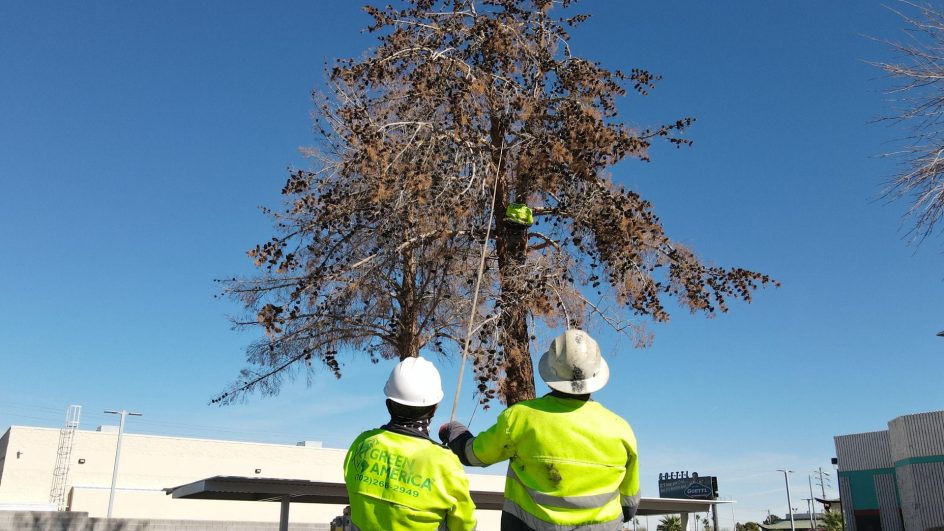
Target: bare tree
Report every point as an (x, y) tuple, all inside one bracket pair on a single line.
[(463, 112), (362, 261), (918, 71)]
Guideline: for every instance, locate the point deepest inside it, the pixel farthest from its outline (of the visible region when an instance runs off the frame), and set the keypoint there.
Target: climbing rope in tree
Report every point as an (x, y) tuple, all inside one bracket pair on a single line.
[(478, 284)]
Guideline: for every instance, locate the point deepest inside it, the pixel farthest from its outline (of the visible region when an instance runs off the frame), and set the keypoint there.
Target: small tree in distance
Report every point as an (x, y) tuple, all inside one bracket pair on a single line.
[(833, 521), (462, 110)]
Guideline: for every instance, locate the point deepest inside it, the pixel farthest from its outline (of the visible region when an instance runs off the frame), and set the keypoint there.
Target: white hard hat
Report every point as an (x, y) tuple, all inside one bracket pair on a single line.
[(573, 364), (414, 382)]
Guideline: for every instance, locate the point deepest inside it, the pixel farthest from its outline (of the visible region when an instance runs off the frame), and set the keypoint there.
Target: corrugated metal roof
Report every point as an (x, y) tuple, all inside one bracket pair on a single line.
[(304, 491), (785, 524), (864, 451), (917, 435)]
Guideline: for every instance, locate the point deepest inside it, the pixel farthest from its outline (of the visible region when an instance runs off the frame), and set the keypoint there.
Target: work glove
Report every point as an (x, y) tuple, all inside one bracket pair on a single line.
[(451, 431), (456, 436)]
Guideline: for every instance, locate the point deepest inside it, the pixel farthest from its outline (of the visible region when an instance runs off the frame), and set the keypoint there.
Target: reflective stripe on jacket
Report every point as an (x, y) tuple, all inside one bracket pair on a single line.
[(398, 482), (572, 463)]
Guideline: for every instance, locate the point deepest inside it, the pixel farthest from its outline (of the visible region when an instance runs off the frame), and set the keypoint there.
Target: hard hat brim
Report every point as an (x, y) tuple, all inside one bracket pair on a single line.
[(573, 387), (428, 401), (416, 403)]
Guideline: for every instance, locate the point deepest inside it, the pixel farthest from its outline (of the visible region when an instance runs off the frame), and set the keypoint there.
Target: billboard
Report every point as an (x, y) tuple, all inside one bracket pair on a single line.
[(694, 487)]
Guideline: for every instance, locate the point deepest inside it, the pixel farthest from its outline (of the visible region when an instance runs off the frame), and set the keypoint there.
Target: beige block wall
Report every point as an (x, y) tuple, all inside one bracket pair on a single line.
[(27, 477), (151, 463)]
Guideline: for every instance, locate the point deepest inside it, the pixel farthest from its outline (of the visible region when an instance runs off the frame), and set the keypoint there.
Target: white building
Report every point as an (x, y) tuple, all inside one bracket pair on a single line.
[(893, 479), (151, 463)]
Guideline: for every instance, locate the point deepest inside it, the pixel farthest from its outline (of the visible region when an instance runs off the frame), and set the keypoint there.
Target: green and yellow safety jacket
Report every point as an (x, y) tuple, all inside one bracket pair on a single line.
[(572, 463), (399, 482)]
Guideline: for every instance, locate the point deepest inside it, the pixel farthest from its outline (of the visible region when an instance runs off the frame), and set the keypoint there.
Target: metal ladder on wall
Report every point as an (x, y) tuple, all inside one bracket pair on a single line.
[(60, 475)]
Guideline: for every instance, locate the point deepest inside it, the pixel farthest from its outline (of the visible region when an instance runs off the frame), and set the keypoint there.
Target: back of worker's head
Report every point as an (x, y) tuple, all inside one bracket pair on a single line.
[(413, 389), (573, 364)]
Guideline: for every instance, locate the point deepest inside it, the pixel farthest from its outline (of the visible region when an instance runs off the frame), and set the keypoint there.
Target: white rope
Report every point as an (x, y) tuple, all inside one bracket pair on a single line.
[(478, 284)]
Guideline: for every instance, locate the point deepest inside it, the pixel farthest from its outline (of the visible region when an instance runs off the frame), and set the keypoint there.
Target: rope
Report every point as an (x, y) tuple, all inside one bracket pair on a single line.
[(472, 416), (478, 284)]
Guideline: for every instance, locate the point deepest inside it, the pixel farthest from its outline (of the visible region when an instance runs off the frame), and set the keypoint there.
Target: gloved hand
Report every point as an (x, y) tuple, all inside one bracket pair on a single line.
[(451, 431)]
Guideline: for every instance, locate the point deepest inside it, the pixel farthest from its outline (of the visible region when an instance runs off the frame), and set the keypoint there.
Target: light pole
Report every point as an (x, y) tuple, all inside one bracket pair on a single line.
[(114, 472), (786, 480)]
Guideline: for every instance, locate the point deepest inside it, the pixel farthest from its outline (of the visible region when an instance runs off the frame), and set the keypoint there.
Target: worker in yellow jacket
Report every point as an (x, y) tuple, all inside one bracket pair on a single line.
[(397, 478), (572, 462)]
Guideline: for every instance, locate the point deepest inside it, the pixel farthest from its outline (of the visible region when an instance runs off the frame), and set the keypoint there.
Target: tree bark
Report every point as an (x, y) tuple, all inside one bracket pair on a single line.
[(511, 245), (408, 334), (518, 384)]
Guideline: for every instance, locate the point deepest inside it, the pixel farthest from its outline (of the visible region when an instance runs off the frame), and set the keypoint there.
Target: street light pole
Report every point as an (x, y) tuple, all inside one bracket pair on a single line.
[(786, 480), (114, 472)]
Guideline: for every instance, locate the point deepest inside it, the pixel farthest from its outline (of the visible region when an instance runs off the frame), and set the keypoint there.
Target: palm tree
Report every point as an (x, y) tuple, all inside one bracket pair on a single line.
[(670, 523)]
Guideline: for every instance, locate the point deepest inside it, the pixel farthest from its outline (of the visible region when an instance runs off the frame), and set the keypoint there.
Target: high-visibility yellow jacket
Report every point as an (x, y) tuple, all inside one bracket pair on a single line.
[(398, 482), (571, 463)]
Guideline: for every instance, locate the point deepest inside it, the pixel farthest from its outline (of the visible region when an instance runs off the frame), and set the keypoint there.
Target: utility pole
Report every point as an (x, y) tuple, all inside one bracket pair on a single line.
[(786, 480), (822, 480), (114, 473), (812, 505)]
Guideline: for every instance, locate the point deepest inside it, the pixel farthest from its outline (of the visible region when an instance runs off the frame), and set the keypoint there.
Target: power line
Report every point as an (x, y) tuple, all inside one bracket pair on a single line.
[(28, 406), (38, 413), (33, 417)]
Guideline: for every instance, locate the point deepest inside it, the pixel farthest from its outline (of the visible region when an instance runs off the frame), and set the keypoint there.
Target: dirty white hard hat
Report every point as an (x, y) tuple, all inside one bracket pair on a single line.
[(414, 382), (573, 364)]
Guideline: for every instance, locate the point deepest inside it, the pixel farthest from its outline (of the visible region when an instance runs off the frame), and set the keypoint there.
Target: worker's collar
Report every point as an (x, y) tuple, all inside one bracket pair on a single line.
[(412, 427), (558, 394)]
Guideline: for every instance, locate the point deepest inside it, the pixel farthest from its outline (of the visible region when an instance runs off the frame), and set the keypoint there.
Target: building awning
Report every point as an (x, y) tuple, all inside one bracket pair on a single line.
[(287, 491), (785, 524)]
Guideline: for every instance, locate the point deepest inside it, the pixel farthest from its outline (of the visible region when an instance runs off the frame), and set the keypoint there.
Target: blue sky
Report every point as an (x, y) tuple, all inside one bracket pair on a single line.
[(138, 141)]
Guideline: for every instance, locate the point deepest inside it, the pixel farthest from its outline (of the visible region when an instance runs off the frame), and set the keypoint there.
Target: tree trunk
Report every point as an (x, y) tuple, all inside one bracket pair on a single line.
[(518, 384), (408, 334), (511, 245)]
